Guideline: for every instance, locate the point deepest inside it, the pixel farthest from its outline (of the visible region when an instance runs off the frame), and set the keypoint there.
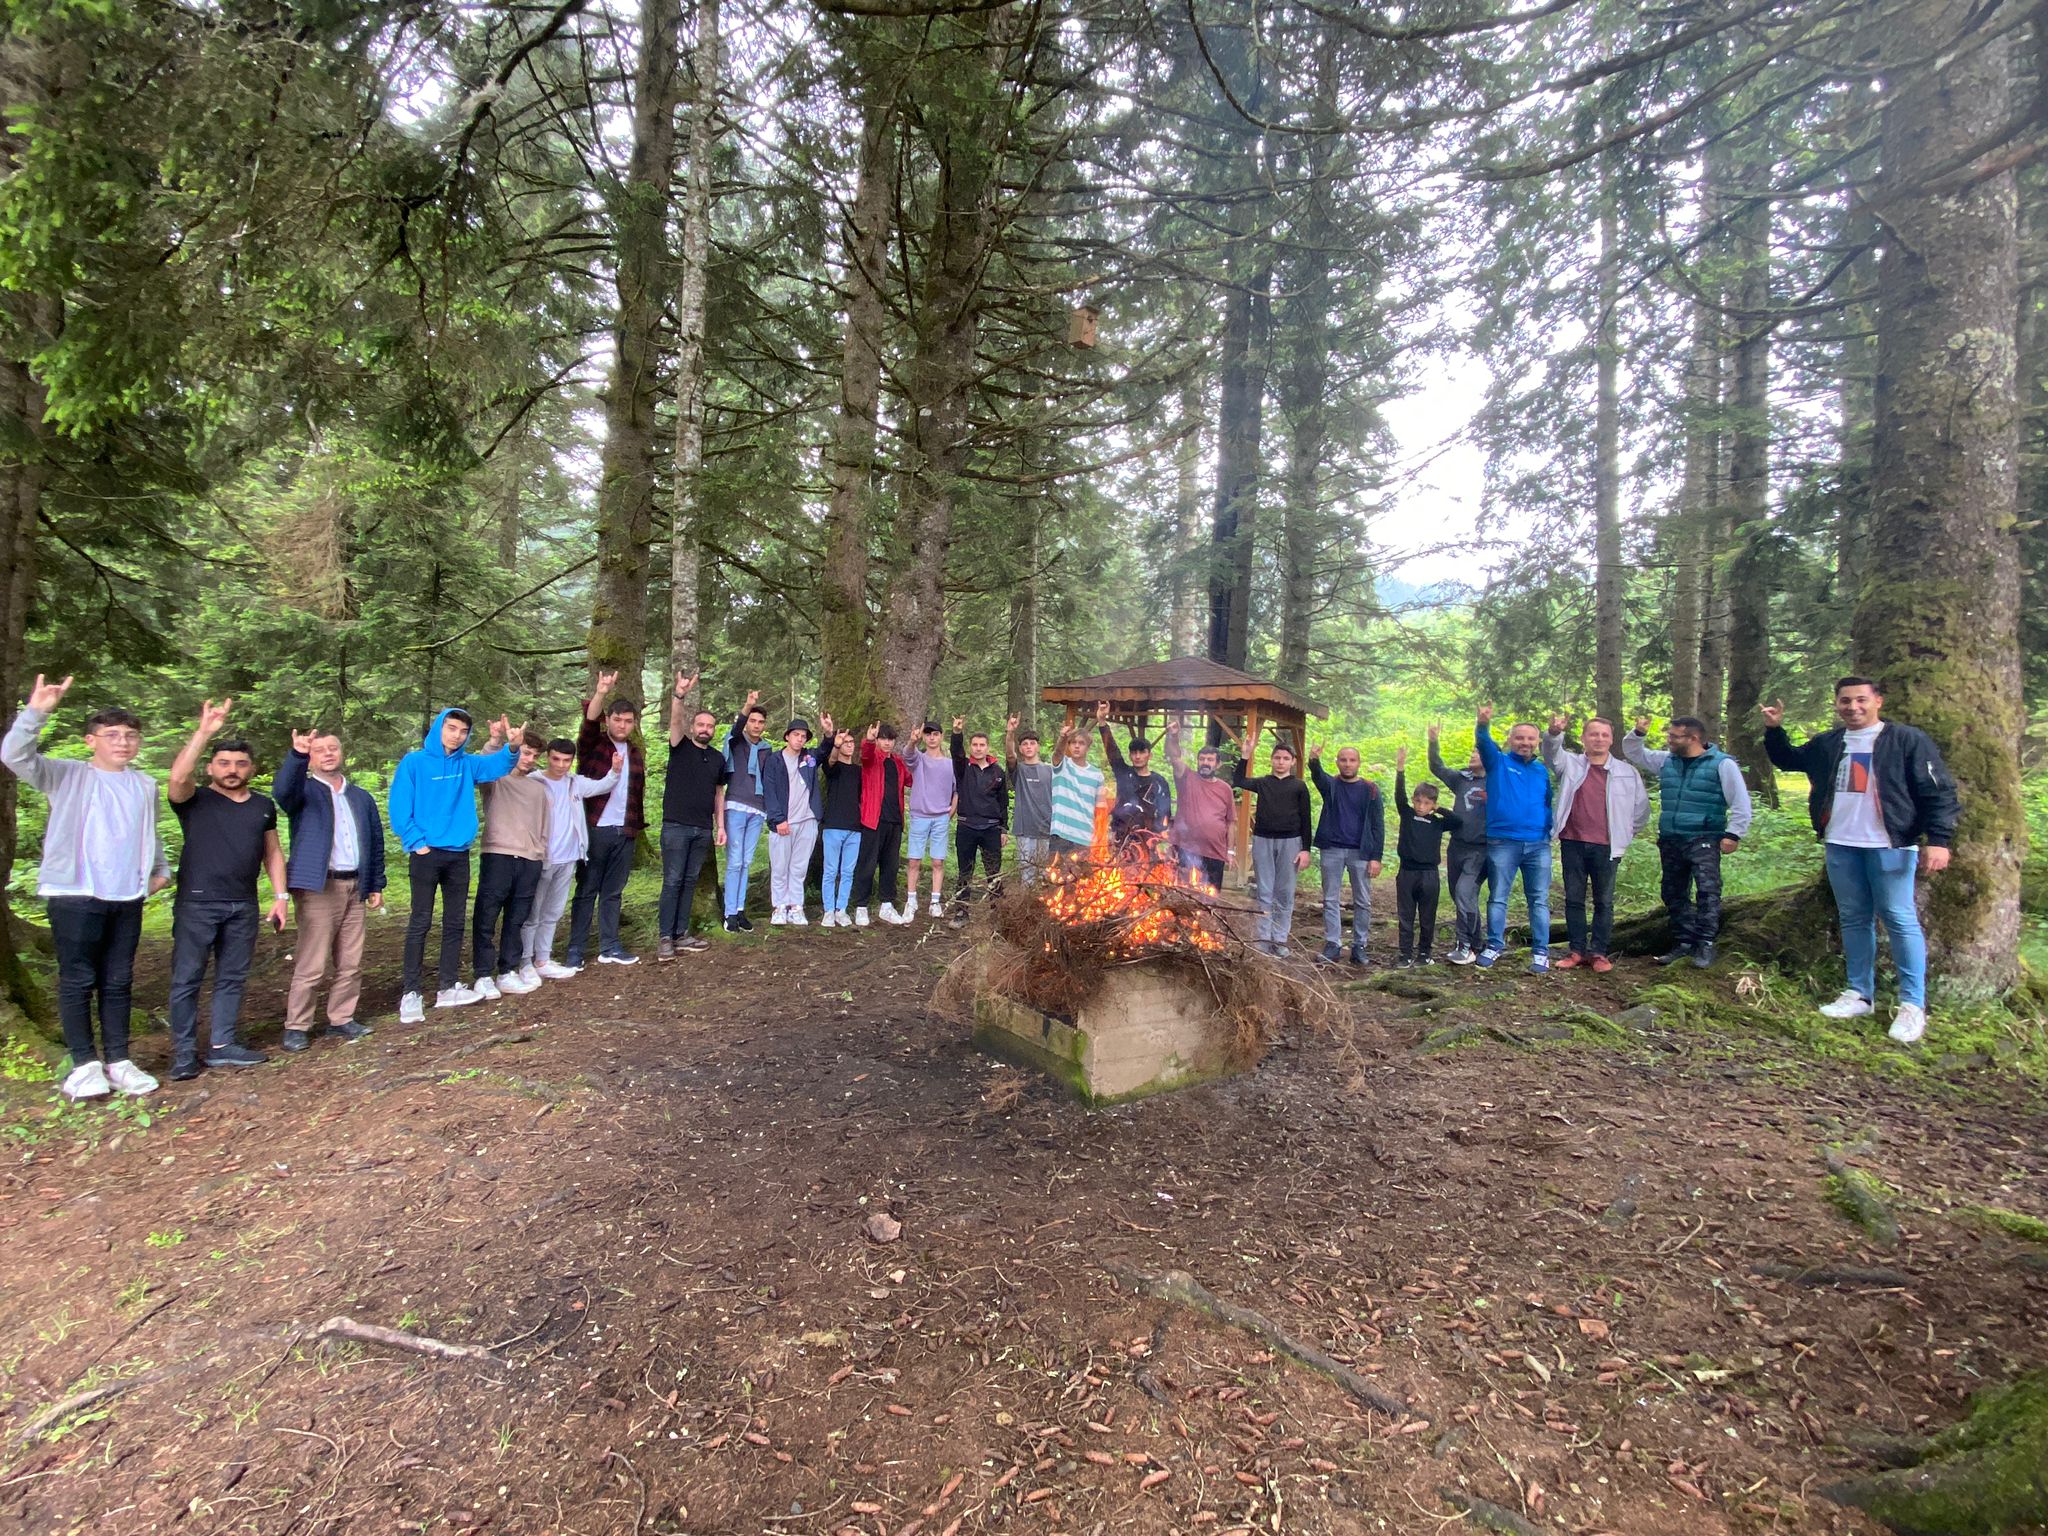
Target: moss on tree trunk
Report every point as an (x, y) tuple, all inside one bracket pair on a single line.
[(1984, 1476)]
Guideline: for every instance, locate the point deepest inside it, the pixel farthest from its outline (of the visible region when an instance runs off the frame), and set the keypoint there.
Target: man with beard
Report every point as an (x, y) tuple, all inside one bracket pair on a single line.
[(1205, 807), (230, 833), (1518, 826), (692, 817)]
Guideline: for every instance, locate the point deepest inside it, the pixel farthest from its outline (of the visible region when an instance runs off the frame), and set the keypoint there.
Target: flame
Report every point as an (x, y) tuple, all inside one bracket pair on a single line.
[(1122, 887)]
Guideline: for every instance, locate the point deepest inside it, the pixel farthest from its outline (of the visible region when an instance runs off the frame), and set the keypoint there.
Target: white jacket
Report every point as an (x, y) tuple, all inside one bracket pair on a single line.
[(1628, 801)]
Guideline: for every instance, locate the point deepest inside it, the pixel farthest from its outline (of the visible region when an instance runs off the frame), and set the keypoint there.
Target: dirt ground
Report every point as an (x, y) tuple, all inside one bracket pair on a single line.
[(647, 1193)]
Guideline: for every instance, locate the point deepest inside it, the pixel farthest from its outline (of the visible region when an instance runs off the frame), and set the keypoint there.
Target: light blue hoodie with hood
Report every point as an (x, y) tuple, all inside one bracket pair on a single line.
[(433, 791)]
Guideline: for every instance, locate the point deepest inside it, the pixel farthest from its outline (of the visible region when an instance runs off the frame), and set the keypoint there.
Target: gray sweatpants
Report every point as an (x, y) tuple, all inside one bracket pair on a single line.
[(550, 901), (1337, 864), (1273, 864)]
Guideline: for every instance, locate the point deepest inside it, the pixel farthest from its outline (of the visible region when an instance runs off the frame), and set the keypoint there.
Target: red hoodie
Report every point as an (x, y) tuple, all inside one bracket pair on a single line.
[(873, 764)]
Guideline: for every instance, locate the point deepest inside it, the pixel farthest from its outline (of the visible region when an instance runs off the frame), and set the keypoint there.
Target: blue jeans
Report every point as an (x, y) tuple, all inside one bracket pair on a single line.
[(1503, 859), (742, 837), (1873, 884), (842, 852)]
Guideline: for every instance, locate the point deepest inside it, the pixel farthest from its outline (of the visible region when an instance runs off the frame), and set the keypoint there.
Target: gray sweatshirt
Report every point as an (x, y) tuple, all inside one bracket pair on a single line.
[(102, 839)]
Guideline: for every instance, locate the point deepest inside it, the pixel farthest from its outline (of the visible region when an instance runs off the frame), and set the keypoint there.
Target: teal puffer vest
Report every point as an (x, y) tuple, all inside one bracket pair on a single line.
[(1692, 803)]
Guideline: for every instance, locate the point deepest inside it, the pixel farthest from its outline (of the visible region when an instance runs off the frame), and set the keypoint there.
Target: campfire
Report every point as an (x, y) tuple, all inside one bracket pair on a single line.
[(1133, 901)]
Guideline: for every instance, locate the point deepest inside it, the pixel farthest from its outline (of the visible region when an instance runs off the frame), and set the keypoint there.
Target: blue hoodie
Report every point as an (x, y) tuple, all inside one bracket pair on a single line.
[(1517, 794), (433, 791)]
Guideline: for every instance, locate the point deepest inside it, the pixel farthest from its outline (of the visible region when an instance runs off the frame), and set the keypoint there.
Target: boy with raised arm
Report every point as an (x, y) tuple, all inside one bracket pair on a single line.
[(230, 834), (746, 805), (432, 807), (605, 742), (515, 848), (1351, 837), (1144, 800), (1419, 845), (692, 816), (1280, 836), (1076, 789), (791, 780), (1601, 806), (1466, 859), (885, 779), (934, 798), (1031, 804), (336, 874), (839, 828), (1205, 809), (101, 857), (984, 794)]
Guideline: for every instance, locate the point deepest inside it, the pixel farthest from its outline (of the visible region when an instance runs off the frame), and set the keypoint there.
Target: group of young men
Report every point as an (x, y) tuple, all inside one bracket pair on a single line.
[(560, 820)]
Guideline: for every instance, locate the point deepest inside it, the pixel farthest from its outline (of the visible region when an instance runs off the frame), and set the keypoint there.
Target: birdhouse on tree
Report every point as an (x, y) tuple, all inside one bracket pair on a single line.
[(1081, 325)]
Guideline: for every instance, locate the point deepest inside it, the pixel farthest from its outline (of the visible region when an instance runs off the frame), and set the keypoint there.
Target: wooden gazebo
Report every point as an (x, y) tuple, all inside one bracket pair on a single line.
[(1195, 686)]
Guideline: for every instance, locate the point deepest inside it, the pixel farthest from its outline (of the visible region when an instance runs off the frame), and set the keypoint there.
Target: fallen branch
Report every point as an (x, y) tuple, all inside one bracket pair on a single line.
[(78, 1402), (1182, 1288), (396, 1338), (510, 1037), (1832, 1274), (1489, 1516)]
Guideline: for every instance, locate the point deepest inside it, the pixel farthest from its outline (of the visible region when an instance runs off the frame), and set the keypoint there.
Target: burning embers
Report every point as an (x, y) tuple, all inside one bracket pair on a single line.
[(1137, 898)]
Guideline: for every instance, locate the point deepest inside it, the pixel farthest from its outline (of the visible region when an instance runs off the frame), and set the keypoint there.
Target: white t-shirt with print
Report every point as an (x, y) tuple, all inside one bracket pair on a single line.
[(1856, 819)]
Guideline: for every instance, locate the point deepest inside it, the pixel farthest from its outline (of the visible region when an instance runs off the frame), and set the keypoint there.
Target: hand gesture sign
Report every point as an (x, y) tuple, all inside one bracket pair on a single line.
[(500, 729), (1102, 711), (685, 684), (1486, 714), (1315, 752), (302, 743), (1774, 715), (825, 731), (1400, 758), (606, 681), (1557, 724), (1010, 726), (213, 716), (753, 697), (44, 696), (874, 729), (959, 722), (1435, 734), (1642, 725)]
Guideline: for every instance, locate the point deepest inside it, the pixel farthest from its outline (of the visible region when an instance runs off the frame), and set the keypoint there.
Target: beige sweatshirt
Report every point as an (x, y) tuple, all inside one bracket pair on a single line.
[(516, 816)]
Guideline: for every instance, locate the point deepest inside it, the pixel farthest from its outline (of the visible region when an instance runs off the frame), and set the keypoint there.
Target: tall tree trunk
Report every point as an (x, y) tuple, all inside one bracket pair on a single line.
[(1938, 616), (685, 543), (1857, 404), (1021, 696), (1240, 423), (849, 687), (1608, 573), (28, 322), (1749, 495), (1186, 624), (1698, 505), (625, 488), (966, 129)]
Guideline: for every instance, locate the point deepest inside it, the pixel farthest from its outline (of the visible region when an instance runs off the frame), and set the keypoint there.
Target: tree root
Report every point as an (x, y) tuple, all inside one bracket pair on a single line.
[(1833, 1274), (1489, 1516), (1861, 1198), (78, 1402), (1986, 1475), (395, 1338), (1183, 1289)]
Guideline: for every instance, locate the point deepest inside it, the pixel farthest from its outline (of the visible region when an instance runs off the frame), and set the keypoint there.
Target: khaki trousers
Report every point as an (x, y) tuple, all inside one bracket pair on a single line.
[(330, 943)]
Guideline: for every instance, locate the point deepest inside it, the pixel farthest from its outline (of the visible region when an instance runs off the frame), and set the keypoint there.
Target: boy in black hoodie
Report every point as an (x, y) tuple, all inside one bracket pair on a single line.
[(1423, 827)]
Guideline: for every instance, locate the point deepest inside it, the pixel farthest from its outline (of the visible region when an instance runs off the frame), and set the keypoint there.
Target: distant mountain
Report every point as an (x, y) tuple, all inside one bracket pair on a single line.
[(1402, 595)]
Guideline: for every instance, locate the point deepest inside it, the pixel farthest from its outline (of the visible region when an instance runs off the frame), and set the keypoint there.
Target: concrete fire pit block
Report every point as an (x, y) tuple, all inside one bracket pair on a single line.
[(1145, 1030)]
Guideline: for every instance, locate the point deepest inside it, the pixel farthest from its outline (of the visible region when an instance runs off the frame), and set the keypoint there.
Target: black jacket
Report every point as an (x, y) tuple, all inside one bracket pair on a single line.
[(984, 790), (1913, 784), (1144, 801)]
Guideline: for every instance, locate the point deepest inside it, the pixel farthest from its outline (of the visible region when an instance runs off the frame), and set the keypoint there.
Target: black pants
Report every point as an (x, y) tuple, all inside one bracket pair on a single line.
[(881, 852), (986, 841), (504, 897), (1469, 871), (443, 872), (600, 887), (1415, 896), (1692, 886), (225, 933), (95, 942), (683, 852), (1588, 866)]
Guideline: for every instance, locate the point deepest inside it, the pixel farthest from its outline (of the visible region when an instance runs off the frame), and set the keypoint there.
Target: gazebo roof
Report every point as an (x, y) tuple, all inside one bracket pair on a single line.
[(1185, 682)]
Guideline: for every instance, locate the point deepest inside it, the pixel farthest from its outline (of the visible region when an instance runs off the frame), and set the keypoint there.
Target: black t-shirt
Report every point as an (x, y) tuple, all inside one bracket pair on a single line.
[(223, 844), (842, 796), (691, 794)]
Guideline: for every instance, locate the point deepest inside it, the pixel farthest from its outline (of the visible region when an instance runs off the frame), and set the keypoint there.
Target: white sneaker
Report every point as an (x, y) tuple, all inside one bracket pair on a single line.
[(781, 916), (126, 1077), (457, 996), (1850, 1005), (937, 909), (910, 910), (412, 1008), (1908, 1024), (860, 917), (890, 914), (87, 1082), (549, 970), (797, 918), (511, 982), (484, 986), (529, 976)]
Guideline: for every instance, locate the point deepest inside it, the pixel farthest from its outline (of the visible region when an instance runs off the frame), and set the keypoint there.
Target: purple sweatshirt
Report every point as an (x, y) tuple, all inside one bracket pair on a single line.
[(931, 785)]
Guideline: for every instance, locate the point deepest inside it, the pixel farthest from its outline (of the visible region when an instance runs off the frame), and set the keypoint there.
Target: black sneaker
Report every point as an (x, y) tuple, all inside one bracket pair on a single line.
[(234, 1055), (741, 924), (185, 1071), (691, 943), (1358, 955), (1703, 954), (1676, 953), (295, 1040), (349, 1031), (1332, 953), (1405, 963)]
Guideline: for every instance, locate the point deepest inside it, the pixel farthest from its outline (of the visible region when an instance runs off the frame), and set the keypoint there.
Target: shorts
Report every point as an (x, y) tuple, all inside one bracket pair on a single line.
[(928, 837)]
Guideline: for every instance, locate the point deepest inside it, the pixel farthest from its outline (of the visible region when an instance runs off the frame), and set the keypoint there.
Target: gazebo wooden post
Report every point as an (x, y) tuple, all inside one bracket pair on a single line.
[(1240, 873)]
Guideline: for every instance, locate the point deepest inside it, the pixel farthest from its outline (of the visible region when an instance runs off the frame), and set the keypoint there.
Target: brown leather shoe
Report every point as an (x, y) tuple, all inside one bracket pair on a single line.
[(1602, 964), (1567, 963)]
